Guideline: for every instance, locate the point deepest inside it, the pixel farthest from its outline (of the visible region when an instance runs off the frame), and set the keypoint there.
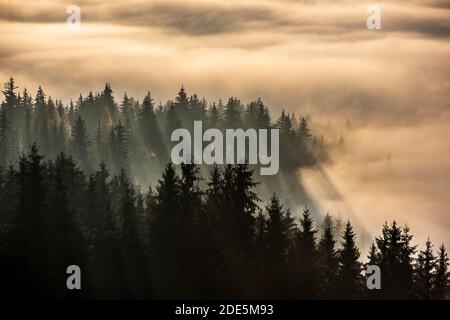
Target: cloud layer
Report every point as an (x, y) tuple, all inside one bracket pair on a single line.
[(314, 57)]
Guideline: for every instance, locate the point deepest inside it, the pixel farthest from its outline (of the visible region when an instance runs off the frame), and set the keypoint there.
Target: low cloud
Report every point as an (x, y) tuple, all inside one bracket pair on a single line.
[(308, 57)]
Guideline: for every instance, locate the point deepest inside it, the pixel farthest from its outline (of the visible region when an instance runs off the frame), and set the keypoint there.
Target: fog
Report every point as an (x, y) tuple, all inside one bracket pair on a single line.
[(389, 173), (308, 57)]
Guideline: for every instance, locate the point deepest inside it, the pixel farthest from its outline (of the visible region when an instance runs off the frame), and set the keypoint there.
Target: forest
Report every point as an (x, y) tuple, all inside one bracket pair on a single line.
[(91, 184)]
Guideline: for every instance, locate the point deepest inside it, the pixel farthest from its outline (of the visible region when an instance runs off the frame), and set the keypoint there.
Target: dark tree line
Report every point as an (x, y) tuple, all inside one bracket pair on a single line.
[(180, 241), (135, 136), (71, 192)]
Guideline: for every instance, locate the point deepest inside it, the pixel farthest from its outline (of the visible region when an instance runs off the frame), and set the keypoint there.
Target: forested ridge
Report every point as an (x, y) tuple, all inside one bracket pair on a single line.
[(135, 135), (68, 196)]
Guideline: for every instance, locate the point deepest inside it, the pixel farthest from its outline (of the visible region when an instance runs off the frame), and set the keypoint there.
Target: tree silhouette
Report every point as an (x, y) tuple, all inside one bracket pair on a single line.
[(349, 279), (278, 238), (306, 257), (64, 201), (395, 261), (327, 263), (442, 277), (80, 143), (424, 272)]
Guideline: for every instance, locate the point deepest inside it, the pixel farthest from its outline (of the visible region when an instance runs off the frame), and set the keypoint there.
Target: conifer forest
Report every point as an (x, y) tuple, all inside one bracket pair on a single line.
[(90, 182)]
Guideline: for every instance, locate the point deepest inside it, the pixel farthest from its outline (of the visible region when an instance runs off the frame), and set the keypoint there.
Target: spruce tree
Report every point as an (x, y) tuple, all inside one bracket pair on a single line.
[(28, 105), (40, 107), (214, 117), (80, 144), (11, 99), (441, 279), (151, 130), (395, 261), (181, 101), (244, 204), (424, 272), (4, 139), (32, 274), (327, 263), (304, 129), (279, 226), (107, 99), (133, 277), (373, 260), (127, 108), (232, 115), (66, 237), (349, 273), (122, 145), (305, 256), (165, 235)]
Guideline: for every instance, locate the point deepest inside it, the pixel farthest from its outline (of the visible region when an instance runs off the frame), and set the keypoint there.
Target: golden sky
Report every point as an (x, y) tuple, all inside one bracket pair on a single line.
[(307, 56)]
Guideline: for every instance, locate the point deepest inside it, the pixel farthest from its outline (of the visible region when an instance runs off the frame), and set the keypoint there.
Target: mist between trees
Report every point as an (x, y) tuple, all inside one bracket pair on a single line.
[(88, 202), (136, 135)]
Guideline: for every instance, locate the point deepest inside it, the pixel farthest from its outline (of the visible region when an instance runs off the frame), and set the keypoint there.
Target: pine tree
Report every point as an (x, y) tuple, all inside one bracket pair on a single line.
[(100, 147), (279, 226), (122, 145), (133, 271), (172, 118), (165, 235), (181, 101), (127, 108), (107, 99), (80, 144), (214, 117), (4, 139), (244, 204), (11, 99), (349, 274), (395, 261), (284, 124), (28, 105), (424, 272), (214, 201), (277, 235), (11, 111), (55, 148), (44, 138), (9, 202), (250, 115), (262, 116), (406, 269), (104, 236), (190, 194), (52, 114), (194, 236), (150, 129), (441, 283), (66, 239), (197, 109), (305, 257), (373, 255), (304, 129), (31, 245), (40, 104), (72, 114), (373, 260), (327, 263), (232, 114)]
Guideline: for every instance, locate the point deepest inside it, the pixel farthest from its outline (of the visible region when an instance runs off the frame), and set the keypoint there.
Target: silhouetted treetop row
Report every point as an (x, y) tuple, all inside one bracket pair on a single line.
[(133, 135), (178, 240)]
